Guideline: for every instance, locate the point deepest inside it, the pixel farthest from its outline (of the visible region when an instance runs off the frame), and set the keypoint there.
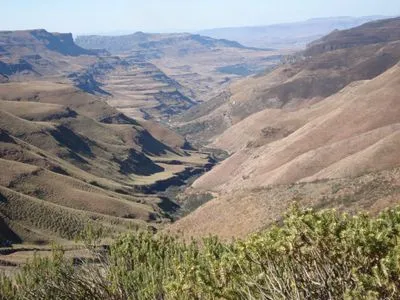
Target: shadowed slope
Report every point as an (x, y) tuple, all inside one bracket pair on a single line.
[(72, 152)]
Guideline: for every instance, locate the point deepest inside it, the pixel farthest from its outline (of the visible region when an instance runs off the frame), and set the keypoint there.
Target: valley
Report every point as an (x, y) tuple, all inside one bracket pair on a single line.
[(311, 131), (185, 134), (86, 140)]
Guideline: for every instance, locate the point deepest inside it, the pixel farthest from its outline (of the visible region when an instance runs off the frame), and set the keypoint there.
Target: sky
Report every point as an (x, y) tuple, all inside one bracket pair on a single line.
[(113, 16)]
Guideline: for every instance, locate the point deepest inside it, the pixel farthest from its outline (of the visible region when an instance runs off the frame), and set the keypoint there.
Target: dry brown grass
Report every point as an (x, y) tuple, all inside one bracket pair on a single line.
[(62, 93), (347, 134), (60, 160), (38, 221), (240, 213), (69, 192), (294, 85)]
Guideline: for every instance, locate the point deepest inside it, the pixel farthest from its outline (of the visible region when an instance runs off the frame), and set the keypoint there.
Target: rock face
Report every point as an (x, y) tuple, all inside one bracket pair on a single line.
[(3, 78), (199, 63), (62, 43), (12, 68), (140, 89), (38, 53)]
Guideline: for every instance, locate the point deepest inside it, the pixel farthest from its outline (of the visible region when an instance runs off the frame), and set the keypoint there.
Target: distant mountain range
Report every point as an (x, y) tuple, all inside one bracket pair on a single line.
[(197, 62), (152, 44), (286, 35)]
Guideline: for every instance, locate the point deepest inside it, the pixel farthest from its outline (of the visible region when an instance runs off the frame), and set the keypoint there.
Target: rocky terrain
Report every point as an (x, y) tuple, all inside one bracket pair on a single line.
[(69, 159), (201, 64), (40, 55), (328, 117), (83, 132), (141, 90)]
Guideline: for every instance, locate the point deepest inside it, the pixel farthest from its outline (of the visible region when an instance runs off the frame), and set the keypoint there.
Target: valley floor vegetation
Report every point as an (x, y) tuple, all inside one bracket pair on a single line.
[(309, 255)]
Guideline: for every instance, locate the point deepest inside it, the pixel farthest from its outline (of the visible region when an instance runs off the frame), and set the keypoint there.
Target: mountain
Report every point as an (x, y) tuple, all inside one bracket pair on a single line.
[(287, 35), (39, 40), (41, 55), (304, 80), (69, 154), (38, 53), (322, 130), (323, 140), (150, 45), (203, 65), (69, 158), (370, 33)]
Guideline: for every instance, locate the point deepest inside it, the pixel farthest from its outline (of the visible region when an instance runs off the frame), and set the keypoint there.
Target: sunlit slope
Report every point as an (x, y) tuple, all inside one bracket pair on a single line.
[(305, 79), (360, 121), (72, 151)]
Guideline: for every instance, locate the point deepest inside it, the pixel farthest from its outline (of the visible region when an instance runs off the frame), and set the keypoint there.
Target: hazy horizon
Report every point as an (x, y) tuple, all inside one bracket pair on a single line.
[(123, 16), (128, 31)]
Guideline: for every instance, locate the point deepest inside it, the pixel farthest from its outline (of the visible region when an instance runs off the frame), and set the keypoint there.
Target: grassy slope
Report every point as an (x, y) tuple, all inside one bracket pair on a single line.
[(305, 139), (303, 81), (240, 213), (332, 142), (57, 151), (352, 133)]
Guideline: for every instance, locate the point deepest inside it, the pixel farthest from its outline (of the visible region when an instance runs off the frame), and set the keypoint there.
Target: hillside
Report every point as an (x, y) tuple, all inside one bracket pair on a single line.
[(70, 158), (370, 33), (141, 90), (242, 212), (78, 154), (288, 35), (321, 163), (41, 55), (199, 63), (302, 81), (150, 45), (317, 136), (38, 53)]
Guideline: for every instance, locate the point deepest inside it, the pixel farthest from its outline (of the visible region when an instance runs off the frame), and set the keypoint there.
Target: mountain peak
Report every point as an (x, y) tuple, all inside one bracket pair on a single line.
[(58, 42)]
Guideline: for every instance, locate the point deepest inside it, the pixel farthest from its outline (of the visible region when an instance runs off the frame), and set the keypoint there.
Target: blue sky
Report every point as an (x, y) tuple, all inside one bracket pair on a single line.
[(102, 16)]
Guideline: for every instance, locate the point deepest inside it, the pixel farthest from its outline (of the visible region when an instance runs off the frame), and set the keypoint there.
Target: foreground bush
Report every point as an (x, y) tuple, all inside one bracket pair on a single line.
[(312, 255)]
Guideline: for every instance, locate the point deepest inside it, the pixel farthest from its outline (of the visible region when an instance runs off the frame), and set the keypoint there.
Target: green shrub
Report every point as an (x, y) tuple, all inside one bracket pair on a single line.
[(312, 255)]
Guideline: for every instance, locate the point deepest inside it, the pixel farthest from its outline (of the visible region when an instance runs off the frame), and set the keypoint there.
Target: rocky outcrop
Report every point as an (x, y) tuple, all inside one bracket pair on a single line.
[(60, 42), (87, 82), (7, 69)]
